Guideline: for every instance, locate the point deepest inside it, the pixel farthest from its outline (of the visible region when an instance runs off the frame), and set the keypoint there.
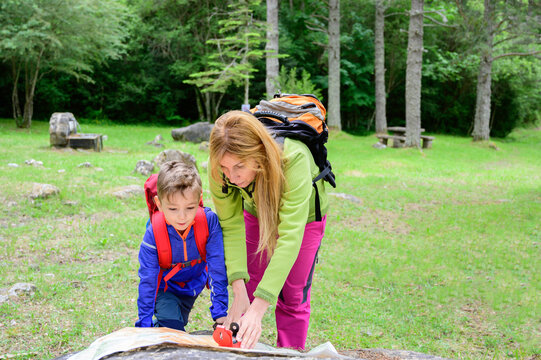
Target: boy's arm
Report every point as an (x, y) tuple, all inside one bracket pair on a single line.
[(216, 268), (148, 275)]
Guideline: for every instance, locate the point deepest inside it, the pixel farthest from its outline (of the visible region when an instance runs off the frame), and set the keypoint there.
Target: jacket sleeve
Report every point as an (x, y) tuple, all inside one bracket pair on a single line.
[(217, 279), (230, 214), (148, 275), (293, 215)]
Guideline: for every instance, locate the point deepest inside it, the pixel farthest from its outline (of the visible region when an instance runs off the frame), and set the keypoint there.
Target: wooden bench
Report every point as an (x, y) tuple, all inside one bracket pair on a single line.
[(427, 141), (86, 141), (398, 141)]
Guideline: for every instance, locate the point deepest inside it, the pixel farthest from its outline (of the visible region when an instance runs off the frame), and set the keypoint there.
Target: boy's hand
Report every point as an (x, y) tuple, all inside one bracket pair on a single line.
[(240, 304), (220, 320)]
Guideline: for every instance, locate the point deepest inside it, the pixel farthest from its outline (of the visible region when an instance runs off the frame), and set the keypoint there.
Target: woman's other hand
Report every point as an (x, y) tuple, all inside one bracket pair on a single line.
[(250, 324)]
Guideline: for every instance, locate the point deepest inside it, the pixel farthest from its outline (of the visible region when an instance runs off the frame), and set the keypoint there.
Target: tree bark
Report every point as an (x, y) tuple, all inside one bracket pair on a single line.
[(31, 79), (481, 123), (414, 74), (334, 120), (16, 71), (272, 47), (379, 65)]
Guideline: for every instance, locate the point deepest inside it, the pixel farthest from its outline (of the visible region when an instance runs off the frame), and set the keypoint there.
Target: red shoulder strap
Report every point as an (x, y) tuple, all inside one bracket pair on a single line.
[(201, 232), (150, 192), (163, 246)]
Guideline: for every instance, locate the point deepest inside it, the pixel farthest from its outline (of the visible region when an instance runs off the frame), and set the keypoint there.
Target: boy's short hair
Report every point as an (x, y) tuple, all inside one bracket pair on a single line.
[(177, 176)]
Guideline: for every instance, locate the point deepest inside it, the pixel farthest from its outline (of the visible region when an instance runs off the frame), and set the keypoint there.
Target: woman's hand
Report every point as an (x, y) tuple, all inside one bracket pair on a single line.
[(240, 304), (250, 324)]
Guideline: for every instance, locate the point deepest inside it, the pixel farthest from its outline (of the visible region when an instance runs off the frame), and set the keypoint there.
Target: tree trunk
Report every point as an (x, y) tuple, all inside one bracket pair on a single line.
[(414, 74), (16, 71), (246, 90), (208, 107), (481, 123), (334, 120), (272, 47), (379, 64), (200, 109), (31, 79)]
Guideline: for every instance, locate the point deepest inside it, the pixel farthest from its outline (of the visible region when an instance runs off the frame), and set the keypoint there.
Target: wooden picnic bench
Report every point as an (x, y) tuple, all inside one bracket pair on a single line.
[(398, 135), (86, 141)]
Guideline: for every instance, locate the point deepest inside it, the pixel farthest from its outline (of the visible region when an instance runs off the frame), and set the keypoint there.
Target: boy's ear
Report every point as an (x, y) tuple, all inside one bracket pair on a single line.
[(157, 202)]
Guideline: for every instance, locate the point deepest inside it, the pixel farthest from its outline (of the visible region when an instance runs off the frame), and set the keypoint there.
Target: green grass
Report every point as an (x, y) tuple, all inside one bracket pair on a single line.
[(440, 256)]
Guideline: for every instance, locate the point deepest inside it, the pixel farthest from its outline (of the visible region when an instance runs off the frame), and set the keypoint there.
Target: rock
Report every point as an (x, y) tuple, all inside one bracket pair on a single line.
[(61, 171), (144, 167), (129, 191), (13, 165), (104, 137), (86, 164), (349, 197), (379, 145), (21, 289), (204, 146), (3, 298), (43, 191), (11, 204), (170, 155), (194, 133), (204, 165), (33, 162)]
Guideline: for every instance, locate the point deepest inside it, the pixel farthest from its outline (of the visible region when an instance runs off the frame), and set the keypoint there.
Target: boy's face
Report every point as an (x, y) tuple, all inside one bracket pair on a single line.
[(179, 209)]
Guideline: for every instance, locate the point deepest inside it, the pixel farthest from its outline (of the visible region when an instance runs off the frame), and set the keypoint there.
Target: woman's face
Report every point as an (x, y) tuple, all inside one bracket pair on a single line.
[(240, 173)]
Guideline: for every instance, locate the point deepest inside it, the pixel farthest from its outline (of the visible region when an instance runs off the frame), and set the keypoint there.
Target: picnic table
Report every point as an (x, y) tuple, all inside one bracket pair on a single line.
[(398, 135)]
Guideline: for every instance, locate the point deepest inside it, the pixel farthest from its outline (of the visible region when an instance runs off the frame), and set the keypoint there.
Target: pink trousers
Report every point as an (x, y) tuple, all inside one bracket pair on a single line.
[(293, 306)]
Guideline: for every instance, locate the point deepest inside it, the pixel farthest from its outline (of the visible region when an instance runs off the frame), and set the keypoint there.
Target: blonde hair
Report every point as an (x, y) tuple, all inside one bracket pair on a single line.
[(239, 133), (178, 176)]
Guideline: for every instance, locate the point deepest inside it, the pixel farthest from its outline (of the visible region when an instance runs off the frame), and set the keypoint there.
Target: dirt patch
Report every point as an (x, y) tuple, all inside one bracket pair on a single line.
[(385, 220)]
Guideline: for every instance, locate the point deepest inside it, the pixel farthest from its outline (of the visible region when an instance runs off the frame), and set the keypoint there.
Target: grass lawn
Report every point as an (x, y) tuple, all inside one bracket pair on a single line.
[(437, 253)]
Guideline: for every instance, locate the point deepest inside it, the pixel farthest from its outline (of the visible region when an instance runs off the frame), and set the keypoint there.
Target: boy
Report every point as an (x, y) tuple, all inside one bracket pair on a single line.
[(179, 192)]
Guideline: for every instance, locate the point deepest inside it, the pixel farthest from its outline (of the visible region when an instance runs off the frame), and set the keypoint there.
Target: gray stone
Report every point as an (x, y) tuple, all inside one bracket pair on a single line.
[(13, 165), (170, 155), (128, 191), (86, 164), (144, 167), (3, 298), (379, 145), (33, 162), (21, 289), (204, 165), (43, 191), (204, 146), (349, 197), (193, 133)]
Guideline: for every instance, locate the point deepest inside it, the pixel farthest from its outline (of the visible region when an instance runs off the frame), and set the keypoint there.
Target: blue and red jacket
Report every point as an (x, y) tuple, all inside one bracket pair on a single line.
[(190, 280)]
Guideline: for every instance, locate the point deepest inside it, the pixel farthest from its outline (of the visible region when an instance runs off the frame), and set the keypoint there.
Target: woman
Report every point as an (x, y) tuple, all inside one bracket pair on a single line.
[(263, 195)]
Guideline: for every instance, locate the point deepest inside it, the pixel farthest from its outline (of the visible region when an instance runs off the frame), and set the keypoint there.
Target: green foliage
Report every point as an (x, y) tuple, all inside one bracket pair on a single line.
[(288, 82), (231, 62)]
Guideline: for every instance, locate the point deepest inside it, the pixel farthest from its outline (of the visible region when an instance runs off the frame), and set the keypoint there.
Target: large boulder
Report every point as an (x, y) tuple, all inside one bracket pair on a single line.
[(171, 154), (61, 125), (194, 133)]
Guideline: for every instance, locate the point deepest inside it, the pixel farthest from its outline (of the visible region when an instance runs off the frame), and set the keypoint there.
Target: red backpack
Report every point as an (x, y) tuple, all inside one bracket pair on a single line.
[(163, 244)]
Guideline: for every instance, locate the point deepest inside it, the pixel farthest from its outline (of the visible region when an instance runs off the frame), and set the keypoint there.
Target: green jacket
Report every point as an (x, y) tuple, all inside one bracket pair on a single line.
[(297, 209)]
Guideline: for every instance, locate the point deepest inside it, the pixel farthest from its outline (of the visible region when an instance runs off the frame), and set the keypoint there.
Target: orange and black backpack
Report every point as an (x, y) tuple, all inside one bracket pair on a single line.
[(161, 236), (300, 117)]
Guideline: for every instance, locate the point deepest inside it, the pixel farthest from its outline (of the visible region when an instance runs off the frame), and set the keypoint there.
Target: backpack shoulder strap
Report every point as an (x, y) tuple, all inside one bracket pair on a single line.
[(201, 232), (161, 236)]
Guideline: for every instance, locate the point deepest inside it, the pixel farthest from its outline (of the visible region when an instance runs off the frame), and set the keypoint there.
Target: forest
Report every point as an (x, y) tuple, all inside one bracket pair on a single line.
[(453, 67)]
